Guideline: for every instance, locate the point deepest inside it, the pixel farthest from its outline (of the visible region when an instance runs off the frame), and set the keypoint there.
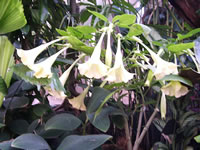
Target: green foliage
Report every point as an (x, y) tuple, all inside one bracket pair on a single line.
[(87, 142), (12, 16), (178, 48)]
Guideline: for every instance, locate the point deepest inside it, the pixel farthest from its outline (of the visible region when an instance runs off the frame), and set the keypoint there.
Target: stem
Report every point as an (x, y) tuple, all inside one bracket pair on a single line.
[(139, 140), (139, 124), (127, 132)]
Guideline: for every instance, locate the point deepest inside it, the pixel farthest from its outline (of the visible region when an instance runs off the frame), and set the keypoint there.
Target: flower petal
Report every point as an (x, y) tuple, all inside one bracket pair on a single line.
[(28, 56)]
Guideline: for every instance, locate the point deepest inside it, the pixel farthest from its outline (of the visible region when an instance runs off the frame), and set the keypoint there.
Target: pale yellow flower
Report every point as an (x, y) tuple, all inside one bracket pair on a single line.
[(175, 88), (163, 105), (78, 102), (28, 56), (94, 67), (43, 69), (63, 78), (108, 59), (118, 73), (163, 67)]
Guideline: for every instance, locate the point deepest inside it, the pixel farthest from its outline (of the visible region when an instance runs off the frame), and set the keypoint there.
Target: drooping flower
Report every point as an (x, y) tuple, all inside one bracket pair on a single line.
[(94, 67), (43, 69), (63, 78), (163, 67), (118, 73), (175, 88), (28, 56), (163, 105), (78, 102), (108, 59)]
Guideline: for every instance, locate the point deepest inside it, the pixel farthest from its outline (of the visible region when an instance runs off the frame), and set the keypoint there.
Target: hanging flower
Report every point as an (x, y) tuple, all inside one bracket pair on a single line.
[(28, 56), (94, 68), (174, 88), (163, 67), (78, 102), (163, 105), (43, 69), (63, 78), (118, 73), (108, 59)]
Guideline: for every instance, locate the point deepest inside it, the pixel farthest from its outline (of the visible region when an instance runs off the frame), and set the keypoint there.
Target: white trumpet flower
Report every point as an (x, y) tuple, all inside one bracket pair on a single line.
[(28, 56), (118, 73), (43, 69), (175, 88), (94, 67), (163, 67), (63, 78), (108, 59)]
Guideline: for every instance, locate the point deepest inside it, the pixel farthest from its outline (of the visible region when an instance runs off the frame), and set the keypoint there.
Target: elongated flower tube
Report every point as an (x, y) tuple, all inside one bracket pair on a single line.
[(163, 67), (28, 56), (175, 88), (118, 73), (163, 105), (108, 59), (78, 102), (43, 69), (63, 78), (94, 67)]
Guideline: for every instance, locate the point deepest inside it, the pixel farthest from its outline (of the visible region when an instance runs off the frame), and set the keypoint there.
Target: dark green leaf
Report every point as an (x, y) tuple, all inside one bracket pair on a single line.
[(178, 48), (188, 35), (174, 77), (87, 142), (30, 142), (3, 86), (19, 126), (16, 102), (100, 16), (67, 122), (11, 16), (40, 109), (98, 96), (2, 125)]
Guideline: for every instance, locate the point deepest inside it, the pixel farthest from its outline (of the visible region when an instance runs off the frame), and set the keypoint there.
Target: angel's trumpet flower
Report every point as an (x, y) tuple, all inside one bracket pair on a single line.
[(28, 56), (174, 88), (94, 68), (43, 69), (63, 78), (118, 73)]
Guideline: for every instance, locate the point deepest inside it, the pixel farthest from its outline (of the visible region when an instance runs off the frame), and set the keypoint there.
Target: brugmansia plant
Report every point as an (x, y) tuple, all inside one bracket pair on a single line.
[(107, 63)]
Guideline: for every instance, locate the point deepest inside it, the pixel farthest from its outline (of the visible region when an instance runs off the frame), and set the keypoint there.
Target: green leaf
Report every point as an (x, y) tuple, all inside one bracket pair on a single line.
[(98, 96), (2, 125), (197, 138), (18, 126), (87, 142), (178, 48), (124, 20), (16, 102), (6, 61), (188, 35), (62, 32), (40, 109), (30, 142), (100, 16), (26, 74), (67, 122), (6, 145), (3, 86), (135, 30), (11, 16), (173, 77), (74, 32)]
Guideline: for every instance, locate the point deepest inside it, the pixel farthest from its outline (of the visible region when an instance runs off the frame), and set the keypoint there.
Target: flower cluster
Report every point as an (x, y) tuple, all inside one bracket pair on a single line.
[(95, 68)]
